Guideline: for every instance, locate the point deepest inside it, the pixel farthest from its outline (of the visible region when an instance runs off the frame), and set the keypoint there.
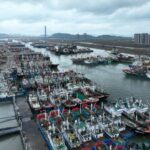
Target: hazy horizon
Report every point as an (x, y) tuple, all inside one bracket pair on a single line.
[(98, 17)]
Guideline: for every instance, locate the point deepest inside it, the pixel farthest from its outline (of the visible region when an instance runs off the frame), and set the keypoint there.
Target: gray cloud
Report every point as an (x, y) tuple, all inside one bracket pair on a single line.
[(98, 6), (97, 16)]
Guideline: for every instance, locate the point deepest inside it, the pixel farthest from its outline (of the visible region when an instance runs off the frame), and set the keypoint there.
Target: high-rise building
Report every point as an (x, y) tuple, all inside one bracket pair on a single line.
[(137, 38), (142, 38)]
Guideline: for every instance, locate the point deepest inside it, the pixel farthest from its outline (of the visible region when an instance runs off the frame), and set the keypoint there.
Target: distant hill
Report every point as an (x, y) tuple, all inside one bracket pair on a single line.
[(66, 36), (113, 37), (2, 35), (63, 36)]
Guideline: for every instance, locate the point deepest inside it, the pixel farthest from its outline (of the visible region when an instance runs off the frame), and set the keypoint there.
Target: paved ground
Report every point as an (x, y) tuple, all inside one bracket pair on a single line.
[(34, 138)]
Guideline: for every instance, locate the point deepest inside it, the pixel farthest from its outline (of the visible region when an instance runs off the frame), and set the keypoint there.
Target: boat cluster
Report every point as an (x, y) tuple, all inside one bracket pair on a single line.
[(43, 44), (91, 60), (3, 53), (7, 89), (69, 108), (112, 58), (69, 49), (133, 112), (139, 68), (116, 56), (94, 125), (61, 49)]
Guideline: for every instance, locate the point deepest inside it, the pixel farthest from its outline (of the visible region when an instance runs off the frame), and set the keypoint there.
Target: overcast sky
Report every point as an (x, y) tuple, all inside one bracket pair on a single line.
[(119, 17)]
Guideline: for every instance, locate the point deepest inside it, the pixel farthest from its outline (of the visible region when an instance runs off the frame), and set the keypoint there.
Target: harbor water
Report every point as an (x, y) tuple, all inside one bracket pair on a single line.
[(108, 77)]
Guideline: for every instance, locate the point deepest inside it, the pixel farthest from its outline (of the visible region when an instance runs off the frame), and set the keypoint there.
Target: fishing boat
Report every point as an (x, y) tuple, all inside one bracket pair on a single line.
[(59, 97), (115, 110), (94, 127), (53, 137), (57, 140), (55, 117), (42, 95), (100, 145), (139, 69), (70, 104), (144, 118), (71, 136), (39, 79), (32, 83), (136, 122), (34, 103), (148, 72), (129, 104), (26, 85), (114, 51), (5, 93), (112, 131), (71, 49), (123, 58), (83, 131), (117, 121), (3, 96), (91, 60), (87, 95), (141, 107)]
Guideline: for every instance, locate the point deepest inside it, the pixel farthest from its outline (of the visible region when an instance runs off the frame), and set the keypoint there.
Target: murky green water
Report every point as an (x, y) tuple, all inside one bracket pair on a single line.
[(109, 77)]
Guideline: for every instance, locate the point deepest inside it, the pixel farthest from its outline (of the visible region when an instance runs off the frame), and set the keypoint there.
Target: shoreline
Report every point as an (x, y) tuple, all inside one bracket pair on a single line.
[(127, 50), (121, 49)]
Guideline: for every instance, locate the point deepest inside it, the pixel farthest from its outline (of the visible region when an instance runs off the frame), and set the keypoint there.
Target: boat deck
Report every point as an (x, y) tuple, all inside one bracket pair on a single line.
[(34, 138)]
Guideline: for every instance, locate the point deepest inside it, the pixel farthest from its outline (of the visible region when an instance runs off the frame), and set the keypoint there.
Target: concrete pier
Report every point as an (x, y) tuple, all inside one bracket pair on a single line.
[(29, 127)]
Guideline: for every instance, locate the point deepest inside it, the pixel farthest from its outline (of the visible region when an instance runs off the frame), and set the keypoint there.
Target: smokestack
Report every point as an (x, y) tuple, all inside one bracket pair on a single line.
[(45, 32)]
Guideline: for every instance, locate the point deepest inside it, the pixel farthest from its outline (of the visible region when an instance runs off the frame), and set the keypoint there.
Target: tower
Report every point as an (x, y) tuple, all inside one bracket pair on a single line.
[(45, 32)]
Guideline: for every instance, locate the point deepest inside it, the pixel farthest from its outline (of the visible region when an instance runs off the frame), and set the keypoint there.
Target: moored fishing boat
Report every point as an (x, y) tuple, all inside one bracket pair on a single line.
[(139, 69), (72, 138), (100, 145), (123, 58), (92, 60), (42, 95), (70, 49), (94, 127), (57, 140), (139, 124), (114, 51), (112, 131), (26, 85), (53, 137), (87, 95), (83, 131), (34, 103)]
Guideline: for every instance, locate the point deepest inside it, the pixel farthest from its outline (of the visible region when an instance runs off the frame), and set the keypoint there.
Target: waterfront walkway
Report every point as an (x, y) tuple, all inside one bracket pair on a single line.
[(34, 138)]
